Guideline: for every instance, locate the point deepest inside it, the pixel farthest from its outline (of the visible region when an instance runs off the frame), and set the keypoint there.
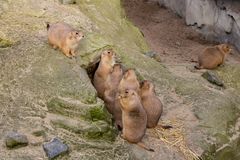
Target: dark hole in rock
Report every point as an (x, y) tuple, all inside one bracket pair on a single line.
[(92, 67)]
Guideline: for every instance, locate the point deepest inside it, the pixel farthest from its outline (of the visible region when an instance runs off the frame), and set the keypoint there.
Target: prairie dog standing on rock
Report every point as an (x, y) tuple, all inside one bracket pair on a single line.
[(212, 57), (105, 66), (63, 36), (129, 81), (134, 118), (112, 103), (151, 103)]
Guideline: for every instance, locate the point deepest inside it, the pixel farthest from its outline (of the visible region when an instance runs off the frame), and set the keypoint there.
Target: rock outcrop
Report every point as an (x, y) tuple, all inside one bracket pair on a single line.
[(217, 20)]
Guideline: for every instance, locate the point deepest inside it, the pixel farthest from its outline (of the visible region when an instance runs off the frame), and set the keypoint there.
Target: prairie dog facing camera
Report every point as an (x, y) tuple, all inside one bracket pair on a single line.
[(129, 81), (105, 67), (213, 57), (61, 35), (151, 103), (134, 118)]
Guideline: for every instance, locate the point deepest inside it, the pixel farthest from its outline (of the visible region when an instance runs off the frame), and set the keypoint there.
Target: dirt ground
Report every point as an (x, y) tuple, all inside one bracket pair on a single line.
[(167, 34)]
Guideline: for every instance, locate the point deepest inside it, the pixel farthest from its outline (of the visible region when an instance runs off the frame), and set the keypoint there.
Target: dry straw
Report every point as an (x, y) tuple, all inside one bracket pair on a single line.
[(174, 137)]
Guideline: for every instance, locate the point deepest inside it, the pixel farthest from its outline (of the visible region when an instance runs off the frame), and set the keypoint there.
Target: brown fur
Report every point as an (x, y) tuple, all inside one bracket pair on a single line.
[(151, 103), (64, 37), (134, 118), (105, 67), (112, 103), (212, 57), (129, 81)]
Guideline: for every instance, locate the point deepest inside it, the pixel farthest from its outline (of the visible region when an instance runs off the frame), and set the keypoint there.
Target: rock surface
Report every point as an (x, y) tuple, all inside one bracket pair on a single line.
[(55, 148), (14, 139), (217, 20), (212, 78)]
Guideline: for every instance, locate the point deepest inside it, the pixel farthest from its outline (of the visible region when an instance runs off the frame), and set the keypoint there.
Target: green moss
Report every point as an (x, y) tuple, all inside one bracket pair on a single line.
[(230, 75), (4, 43), (99, 113), (62, 107), (101, 130), (56, 105), (39, 133)]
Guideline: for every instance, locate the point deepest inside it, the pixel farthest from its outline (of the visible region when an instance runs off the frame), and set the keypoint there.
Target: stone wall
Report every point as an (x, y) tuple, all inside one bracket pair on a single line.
[(217, 20)]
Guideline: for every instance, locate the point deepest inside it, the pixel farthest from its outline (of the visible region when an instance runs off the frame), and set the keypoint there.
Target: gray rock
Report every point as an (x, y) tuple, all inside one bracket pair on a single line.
[(178, 6), (14, 139), (154, 55), (217, 20), (212, 78), (55, 148)]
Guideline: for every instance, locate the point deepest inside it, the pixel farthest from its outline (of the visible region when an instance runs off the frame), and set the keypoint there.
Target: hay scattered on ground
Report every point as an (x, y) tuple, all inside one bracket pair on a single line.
[(174, 137)]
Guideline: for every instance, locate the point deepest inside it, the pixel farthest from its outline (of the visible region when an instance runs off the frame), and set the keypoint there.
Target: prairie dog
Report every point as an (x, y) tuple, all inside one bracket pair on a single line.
[(112, 103), (212, 57), (129, 81), (134, 118), (63, 36), (151, 103), (105, 67), (112, 82)]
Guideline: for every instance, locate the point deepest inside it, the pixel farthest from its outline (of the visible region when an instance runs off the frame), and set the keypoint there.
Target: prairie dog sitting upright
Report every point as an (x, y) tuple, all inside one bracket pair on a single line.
[(129, 81), (105, 67), (61, 35), (213, 57), (134, 118), (151, 103), (110, 94)]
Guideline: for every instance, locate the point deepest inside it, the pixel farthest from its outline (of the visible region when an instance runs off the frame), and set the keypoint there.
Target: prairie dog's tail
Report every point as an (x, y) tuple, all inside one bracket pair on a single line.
[(48, 25), (142, 145)]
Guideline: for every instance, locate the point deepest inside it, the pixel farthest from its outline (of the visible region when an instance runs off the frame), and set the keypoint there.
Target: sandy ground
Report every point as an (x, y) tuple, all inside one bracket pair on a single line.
[(167, 34)]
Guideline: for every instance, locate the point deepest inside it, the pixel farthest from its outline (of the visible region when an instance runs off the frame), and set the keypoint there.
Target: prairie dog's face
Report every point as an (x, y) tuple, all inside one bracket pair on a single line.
[(117, 69), (127, 98), (225, 48), (76, 36), (108, 56), (147, 86)]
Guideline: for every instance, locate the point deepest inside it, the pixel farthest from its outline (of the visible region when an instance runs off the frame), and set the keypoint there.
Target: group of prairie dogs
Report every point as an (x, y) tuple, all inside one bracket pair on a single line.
[(134, 106), (63, 36)]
